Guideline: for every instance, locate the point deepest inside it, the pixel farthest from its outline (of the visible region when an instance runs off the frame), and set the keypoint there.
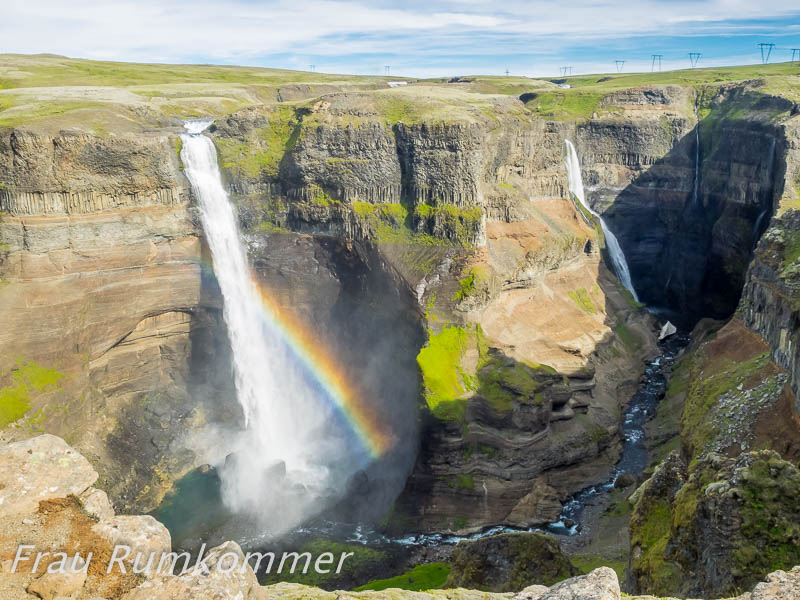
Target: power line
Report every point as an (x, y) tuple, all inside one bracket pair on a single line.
[(796, 52), (694, 58), (386, 69), (619, 64), (656, 61), (507, 72), (565, 71), (766, 50), (313, 68)]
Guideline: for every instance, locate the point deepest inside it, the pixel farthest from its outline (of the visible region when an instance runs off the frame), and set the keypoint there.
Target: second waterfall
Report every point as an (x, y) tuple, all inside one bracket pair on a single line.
[(291, 455), (612, 244)]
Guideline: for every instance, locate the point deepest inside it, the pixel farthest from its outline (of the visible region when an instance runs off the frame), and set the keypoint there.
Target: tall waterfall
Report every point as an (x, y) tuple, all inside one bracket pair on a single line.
[(290, 454), (612, 244), (696, 187)]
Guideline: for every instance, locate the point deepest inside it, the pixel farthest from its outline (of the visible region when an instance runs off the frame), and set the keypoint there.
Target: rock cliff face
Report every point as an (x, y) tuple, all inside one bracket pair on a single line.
[(468, 218), (690, 195), (108, 316), (700, 523), (737, 395), (475, 218)]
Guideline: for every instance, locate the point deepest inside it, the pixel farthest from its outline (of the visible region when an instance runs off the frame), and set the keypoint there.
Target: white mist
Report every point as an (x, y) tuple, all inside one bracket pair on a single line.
[(292, 459)]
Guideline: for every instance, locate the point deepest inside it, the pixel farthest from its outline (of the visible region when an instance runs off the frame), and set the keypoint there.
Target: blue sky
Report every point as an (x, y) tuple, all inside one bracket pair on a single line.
[(417, 38)]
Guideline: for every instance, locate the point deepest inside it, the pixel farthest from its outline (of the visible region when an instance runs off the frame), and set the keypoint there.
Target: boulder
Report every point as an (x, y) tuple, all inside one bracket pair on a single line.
[(210, 583), (779, 585), (96, 503), (539, 506), (600, 584), (54, 585), (142, 534), (508, 562), (40, 468)]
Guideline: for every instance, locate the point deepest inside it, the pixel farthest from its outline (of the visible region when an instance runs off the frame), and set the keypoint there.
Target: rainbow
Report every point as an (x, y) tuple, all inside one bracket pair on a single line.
[(343, 394), (322, 365)]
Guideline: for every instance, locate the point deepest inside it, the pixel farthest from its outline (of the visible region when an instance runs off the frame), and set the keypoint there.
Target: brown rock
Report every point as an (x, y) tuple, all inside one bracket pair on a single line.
[(539, 506), (54, 585), (41, 468)]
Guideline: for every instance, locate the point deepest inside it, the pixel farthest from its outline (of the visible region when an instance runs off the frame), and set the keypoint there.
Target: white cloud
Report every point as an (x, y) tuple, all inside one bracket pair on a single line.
[(247, 30)]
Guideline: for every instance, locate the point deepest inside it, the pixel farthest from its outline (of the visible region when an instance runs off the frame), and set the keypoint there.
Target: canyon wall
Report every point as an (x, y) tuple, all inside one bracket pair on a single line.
[(532, 345), (108, 318), (475, 217), (720, 512)]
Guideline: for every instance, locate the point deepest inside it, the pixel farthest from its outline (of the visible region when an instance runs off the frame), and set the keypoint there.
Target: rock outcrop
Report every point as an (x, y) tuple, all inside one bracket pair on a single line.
[(717, 517), (59, 521), (508, 562)]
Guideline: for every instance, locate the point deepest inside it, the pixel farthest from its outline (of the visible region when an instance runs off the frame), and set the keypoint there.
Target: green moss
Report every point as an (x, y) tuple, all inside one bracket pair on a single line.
[(651, 532), (488, 451), (262, 155), (15, 401), (699, 428), (28, 378), (509, 562), (791, 248), (770, 522), (583, 300), (626, 293), (503, 381), (431, 576), (475, 279), (439, 362), (460, 225), (464, 482), (177, 143), (627, 337), (465, 287), (321, 198)]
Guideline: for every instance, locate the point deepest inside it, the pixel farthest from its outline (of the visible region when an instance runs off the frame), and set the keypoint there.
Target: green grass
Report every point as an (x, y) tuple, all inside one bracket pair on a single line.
[(363, 560), (431, 576), (583, 300), (589, 562), (685, 77), (36, 111), (27, 379), (18, 70), (565, 105), (586, 94)]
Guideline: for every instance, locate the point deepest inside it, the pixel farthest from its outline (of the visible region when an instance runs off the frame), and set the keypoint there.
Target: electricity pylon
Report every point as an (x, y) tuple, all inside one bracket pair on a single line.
[(656, 61), (766, 50)]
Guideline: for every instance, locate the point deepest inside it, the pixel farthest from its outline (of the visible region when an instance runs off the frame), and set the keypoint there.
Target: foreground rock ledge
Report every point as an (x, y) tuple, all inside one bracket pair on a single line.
[(46, 499)]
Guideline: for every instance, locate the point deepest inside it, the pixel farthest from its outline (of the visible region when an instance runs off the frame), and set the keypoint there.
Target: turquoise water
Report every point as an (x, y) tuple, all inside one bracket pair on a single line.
[(193, 509)]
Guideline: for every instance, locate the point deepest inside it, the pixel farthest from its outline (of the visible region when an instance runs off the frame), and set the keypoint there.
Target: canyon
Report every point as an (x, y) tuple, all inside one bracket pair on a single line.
[(428, 237)]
